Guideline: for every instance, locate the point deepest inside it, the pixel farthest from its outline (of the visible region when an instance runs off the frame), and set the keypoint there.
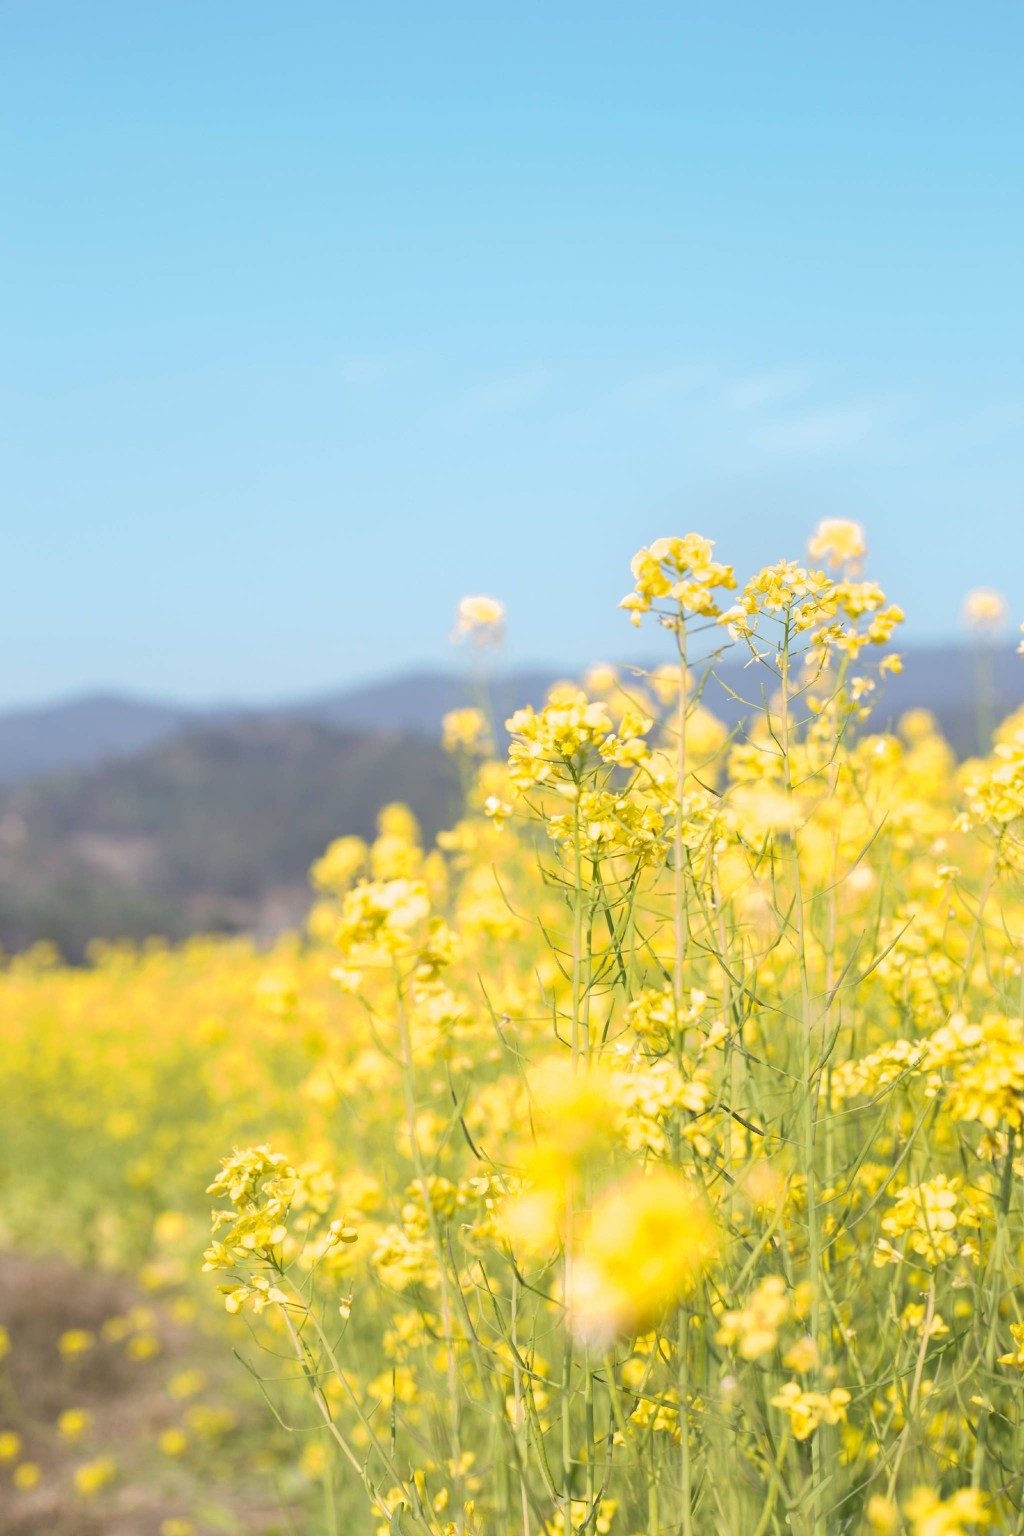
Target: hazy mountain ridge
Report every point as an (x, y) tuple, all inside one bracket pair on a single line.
[(91, 730), (213, 829), (124, 818)]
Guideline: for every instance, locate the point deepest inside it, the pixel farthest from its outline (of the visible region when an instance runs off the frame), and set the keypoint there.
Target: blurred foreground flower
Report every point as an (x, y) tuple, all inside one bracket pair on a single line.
[(648, 1238), (932, 1516)]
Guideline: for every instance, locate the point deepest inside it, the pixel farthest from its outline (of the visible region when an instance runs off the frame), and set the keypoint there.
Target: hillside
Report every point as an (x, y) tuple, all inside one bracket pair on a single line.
[(167, 821), (214, 829), (90, 731), (94, 729)]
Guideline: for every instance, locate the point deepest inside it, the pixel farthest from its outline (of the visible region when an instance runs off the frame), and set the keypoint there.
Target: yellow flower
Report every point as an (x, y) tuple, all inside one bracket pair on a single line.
[(93, 1476), (580, 1112), (556, 743), (378, 917), (600, 678), (27, 1475), (755, 1329), (186, 1384), (1016, 1355), (809, 1409), (648, 1238), (984, 609), (76, 1341), (343, 860), (479, 619), (465, 730), (73, 1423), (143, 1346), (838, 541), (10, 1445), (498, 810), (931, 1516), (883, 1515), (988, 1073), (314, 1458), (928, 1214), (582, 1517), (801, 1356), (681, 571), (763, 809), (809, 602), (532, 1221), (170, 1228), (914, 1318)]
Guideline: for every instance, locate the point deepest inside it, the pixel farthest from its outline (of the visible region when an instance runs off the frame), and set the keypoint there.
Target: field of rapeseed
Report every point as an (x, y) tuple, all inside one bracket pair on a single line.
[(644, 1158)]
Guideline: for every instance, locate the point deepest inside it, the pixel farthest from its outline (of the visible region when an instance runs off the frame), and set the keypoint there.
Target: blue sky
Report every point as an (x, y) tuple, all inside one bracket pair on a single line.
[(316, 317)]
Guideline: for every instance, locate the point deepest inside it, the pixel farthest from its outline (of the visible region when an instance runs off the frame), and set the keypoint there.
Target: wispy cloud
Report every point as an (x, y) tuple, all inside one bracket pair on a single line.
[(676, 384), (381, 373), (769, 388), (491, 400), (361, 373), (818, 433)]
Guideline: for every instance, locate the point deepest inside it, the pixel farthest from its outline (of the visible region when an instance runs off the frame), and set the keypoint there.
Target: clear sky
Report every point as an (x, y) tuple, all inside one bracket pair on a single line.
[(317, 316)]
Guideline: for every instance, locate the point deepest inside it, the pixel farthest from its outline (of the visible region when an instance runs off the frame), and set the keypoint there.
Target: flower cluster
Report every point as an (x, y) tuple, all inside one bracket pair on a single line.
[(556, 745), (754, 1329), (466, 730), (681, 572), (838, 541), (928, 1216), (645, 1244), (808, 1410), (600, 1108), (809, 603)]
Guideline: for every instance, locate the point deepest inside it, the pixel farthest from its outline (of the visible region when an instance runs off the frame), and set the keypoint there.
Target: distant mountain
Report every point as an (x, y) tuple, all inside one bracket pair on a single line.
[(214, 829), (96, 729), (968, 691), (82, 733), (125, 818), (416, 702)]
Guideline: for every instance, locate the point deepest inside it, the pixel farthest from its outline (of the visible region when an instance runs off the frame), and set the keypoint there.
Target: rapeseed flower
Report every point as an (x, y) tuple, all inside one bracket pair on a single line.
[(93, 1476), (479, 619), (984, 609), (644, 1246), (671, 1016), (807, 1410), (931, 1516), (838, 541)]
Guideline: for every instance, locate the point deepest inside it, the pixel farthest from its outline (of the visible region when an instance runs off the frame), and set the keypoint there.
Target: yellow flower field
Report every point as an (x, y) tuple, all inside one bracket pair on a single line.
[(645, 1158)]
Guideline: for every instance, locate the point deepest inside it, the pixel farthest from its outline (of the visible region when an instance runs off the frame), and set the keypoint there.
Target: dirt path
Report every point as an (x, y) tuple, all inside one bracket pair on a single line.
[(148, 1449)]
